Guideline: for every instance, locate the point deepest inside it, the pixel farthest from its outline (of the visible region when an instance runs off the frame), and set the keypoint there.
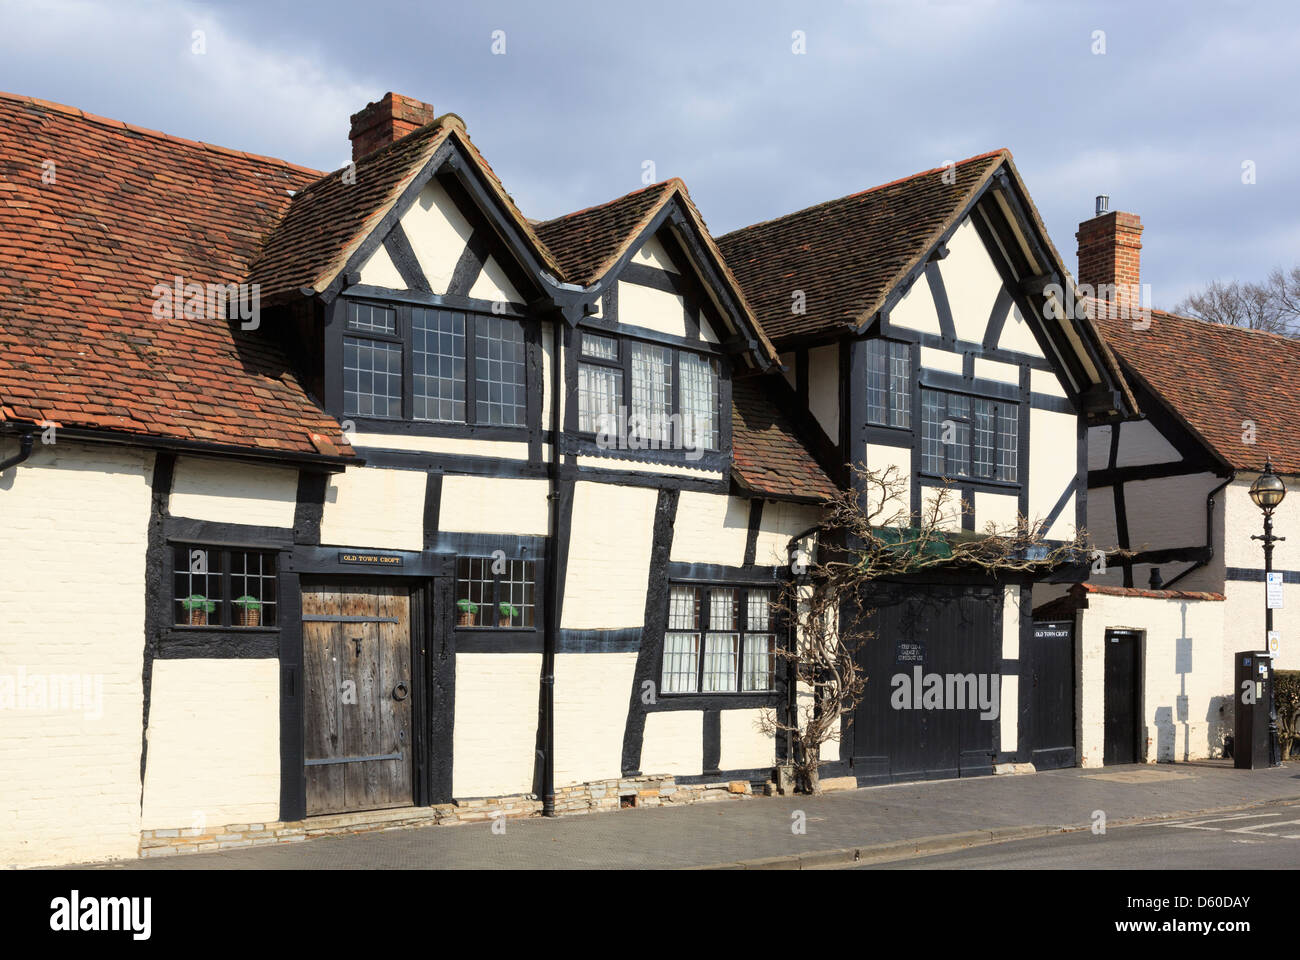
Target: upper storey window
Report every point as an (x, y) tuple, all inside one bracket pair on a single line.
[(889, 383), (463, 367), (965, 436), (662, 396)]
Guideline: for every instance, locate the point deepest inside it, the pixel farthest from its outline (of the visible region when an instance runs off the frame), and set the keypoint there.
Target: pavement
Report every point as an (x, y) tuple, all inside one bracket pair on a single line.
[(887, 823)]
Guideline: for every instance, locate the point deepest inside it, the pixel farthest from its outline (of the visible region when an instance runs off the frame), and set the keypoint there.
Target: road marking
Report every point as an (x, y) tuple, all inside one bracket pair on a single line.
[(1199, 824)]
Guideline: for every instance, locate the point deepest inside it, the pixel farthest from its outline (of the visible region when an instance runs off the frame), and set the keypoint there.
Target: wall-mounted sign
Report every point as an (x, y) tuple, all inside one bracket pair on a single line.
[(371, 559), (1274, 591)]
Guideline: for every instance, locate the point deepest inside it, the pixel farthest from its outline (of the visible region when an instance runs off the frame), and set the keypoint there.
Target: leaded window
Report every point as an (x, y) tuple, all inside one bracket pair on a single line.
[(500, 390), (661, 397), (438, 365), (496, 592), (973, 437), (699, 401), (889, 383), (652, 392), (719, 640), (434, 365), (223, 587)]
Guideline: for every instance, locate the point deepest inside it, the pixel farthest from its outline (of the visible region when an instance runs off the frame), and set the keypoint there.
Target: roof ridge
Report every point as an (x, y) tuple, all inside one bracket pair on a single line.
[(597, 206), (156, 134), (1228, 327), (1001, 151)]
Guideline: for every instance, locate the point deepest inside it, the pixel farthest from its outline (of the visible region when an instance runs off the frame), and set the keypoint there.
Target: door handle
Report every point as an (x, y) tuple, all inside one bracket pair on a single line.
[(400, 691)]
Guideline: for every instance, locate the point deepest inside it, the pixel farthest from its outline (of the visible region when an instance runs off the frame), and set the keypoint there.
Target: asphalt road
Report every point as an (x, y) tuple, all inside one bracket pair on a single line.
[(1244, 840)]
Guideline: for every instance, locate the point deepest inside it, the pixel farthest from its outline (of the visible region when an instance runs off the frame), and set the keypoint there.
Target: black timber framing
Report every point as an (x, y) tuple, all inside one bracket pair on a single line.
[(408, 266), (646, 673), (157, 606)]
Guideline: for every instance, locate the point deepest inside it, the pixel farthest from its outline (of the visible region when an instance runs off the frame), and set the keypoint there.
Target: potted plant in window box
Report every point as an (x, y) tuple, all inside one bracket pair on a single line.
[(506, 613), (250, 611), (199, 607), (468, 611)]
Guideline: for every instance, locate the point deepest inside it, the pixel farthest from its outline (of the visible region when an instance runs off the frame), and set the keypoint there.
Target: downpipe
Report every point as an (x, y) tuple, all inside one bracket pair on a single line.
[(25, 443), (552, 579), (1209, 532)]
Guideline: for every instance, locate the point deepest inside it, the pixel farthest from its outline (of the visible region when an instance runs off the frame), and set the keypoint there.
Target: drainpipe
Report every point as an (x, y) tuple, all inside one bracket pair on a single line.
[(25, 443), (1209, 531), (552, 579)]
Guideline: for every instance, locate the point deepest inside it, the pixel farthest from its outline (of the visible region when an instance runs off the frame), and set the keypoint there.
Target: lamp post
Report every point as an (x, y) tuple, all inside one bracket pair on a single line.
[(1268, 491)]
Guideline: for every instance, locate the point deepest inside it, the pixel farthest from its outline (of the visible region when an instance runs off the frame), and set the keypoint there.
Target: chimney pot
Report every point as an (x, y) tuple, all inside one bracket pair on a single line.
[(1103, 203), (385, 121)]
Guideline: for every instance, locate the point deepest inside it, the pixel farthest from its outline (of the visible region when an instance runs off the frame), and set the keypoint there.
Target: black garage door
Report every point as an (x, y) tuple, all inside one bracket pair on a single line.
[(922, 630)]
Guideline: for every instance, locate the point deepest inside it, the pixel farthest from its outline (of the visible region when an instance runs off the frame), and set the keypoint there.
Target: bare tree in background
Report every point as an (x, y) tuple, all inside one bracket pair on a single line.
[(1272, 305), (869, 534)]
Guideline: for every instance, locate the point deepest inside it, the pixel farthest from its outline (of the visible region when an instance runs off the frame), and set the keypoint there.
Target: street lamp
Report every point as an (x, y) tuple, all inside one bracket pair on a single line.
[(1268, 491)]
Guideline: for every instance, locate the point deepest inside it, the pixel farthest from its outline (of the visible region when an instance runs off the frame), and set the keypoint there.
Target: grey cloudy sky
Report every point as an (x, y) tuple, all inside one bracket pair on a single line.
[(709, 91)]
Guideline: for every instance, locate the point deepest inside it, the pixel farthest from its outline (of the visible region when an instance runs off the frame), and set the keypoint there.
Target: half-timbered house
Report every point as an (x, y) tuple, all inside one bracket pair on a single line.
[(920, 328), (440, 505)]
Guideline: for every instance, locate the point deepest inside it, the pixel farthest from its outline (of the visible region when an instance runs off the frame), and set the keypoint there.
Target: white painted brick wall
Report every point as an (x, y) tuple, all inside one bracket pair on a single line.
[(1183, 674), (72, 562)]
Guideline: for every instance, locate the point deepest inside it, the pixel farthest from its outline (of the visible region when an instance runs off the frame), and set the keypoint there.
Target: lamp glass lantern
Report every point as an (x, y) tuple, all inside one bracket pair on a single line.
[(1268, 490)]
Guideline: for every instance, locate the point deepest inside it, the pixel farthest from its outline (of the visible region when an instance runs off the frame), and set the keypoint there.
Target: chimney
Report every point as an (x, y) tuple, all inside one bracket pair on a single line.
[(380, 124), (1110, 249)]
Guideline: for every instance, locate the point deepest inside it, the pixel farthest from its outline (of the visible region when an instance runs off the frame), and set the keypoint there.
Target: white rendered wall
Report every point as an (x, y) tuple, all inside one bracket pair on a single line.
[(72, 598), (228, 492), (496, 723), (214, 744)]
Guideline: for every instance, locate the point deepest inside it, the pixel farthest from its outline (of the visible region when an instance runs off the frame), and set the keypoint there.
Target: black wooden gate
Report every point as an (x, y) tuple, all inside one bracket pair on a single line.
[(1050, 662), (940, 629), (1122, 681)]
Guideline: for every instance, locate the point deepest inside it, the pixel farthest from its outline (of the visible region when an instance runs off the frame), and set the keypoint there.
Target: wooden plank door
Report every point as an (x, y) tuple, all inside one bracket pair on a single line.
[(357, 708)]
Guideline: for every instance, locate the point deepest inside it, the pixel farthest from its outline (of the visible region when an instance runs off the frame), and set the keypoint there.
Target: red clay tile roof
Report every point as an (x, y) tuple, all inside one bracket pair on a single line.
[(1214, 378), (767, 455), (847, 254), (586, 243), (1110, 591), (128, 209)]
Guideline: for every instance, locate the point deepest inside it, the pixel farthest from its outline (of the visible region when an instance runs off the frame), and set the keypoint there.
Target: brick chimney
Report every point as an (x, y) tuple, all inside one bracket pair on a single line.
[(1110, 251), (392, 118)]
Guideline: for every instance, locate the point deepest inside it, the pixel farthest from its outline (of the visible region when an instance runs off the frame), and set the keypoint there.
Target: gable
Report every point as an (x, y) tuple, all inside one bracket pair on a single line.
[(442, 244), (964, 297)]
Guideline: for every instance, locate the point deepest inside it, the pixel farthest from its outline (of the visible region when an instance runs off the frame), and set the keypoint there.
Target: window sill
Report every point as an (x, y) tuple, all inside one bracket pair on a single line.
[(960, 481)]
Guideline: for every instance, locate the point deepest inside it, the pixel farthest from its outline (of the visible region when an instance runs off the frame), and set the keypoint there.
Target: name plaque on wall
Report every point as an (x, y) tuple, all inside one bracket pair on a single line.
[(371, 559)]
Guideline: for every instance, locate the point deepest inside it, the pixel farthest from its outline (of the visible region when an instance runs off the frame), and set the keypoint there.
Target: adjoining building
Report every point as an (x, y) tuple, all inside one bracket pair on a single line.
[(1157, 629)]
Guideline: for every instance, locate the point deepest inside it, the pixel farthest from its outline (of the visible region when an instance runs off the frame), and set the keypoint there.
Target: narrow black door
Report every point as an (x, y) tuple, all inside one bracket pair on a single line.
[(1120, 743), (1052, 664)]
